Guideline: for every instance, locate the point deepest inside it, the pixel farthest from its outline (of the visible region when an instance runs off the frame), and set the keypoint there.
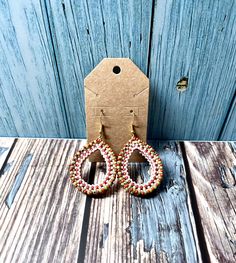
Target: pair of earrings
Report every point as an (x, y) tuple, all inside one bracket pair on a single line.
[(117, 166)]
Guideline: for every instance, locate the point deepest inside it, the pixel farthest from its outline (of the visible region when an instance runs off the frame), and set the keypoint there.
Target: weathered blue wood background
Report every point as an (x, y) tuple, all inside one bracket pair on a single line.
[(47, 47)]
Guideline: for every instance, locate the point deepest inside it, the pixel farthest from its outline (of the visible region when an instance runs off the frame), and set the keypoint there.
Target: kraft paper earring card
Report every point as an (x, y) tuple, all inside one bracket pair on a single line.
[(119, 89)]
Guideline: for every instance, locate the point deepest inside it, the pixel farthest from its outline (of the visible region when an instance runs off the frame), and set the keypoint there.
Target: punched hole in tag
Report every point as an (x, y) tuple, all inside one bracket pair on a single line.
[(116, 69)]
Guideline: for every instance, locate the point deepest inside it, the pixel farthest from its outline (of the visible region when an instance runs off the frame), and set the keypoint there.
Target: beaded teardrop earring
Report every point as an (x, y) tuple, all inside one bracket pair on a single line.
[(152, 157), (81, 155)]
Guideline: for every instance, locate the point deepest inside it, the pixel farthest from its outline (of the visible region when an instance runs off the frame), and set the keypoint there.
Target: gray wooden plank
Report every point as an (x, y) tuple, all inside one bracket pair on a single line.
[(193, 39), (84, 32), (161, 228), (212, 168), (18, 179), (30, 96), (44, 220), (229, 129)]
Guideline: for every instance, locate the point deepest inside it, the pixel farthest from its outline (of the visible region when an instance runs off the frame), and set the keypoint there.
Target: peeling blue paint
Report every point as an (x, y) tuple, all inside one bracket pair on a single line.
[(104, 235), (18, 180), (2, 150)]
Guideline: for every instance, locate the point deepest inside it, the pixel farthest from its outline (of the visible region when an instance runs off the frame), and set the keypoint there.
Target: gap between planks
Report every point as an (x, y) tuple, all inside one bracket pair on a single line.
[(199, 227)]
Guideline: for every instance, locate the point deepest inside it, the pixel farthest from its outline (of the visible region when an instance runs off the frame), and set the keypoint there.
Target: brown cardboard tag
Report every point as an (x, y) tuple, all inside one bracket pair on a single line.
[(118, 88)]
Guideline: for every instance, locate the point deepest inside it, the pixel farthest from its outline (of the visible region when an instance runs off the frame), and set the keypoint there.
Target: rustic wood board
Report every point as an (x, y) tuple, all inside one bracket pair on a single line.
[(212, 168), (31, 102), (123, 228), (47, 48), (43, 218), (41, 214), (196, 40)]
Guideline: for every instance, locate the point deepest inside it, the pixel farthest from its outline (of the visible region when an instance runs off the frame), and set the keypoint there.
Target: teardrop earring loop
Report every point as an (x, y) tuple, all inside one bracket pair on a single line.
[(82, 154), (152, 157)]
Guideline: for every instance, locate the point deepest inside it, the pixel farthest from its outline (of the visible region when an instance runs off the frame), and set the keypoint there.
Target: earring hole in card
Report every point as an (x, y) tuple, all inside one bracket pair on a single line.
[(116, 70)]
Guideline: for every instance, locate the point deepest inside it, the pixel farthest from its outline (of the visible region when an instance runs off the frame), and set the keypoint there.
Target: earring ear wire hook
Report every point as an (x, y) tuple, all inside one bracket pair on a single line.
[(132, 124), (101, 124)]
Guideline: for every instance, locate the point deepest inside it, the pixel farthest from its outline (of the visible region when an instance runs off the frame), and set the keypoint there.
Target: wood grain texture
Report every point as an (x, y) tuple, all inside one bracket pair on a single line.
[(43, 222), (213, 175), (48, 47), (229, 129), (193, 39), (84, 32), (43, 218), (123, 228), (30, 98)]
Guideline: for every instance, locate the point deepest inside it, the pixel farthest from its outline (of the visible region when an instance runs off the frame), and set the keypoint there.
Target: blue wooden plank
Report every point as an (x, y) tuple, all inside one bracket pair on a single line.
[(30, 100), (163, 222), (193, 39), (7, 125), (48, 47), (84, 32)]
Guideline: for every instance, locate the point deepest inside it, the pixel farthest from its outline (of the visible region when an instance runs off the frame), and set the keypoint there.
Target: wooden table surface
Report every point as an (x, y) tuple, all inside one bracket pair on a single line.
[(43, 218)]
